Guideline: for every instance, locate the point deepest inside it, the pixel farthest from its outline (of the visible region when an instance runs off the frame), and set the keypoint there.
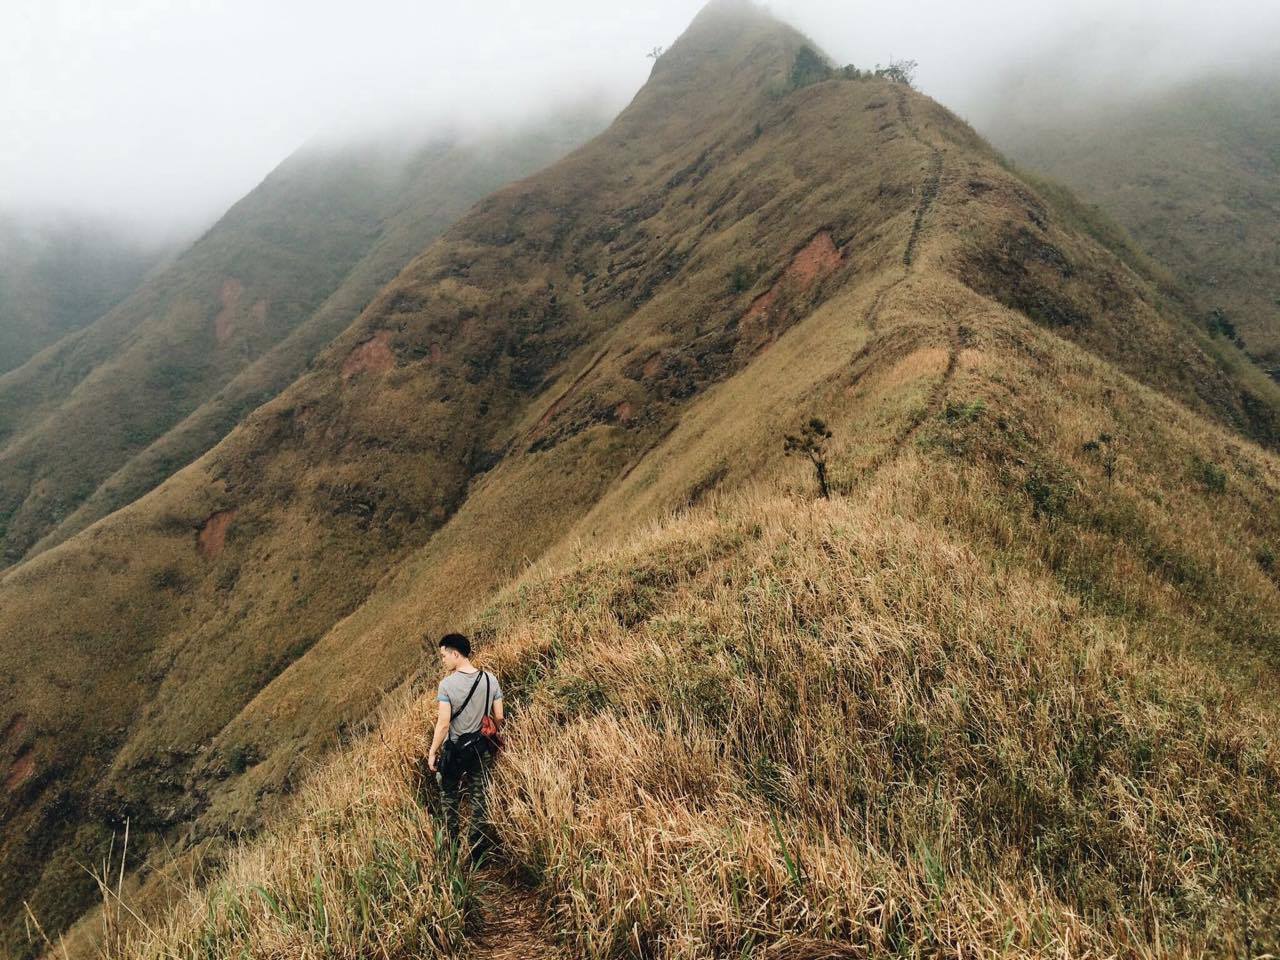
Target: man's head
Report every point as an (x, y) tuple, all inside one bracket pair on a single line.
[(455, 650)]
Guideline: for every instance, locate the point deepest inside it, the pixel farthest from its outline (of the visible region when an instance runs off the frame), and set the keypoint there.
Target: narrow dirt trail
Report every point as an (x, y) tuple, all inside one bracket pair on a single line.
[(932, 181), (514, 924), (928, 194), (929, 191), (933, 405)]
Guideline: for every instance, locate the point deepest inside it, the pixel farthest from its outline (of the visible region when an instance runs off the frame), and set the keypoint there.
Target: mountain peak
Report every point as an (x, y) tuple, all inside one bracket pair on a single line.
[(741, 11), (724, 30), (748, 250), (732, 52)]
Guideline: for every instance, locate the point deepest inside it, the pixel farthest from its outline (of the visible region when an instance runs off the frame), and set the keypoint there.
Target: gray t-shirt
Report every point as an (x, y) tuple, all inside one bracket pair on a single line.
[(454, 689)]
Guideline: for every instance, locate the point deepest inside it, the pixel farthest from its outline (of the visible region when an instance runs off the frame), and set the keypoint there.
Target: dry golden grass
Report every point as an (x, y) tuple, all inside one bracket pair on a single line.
[(809, 729), (1018, 729), (377, 508), (955, 756), (359, 870)]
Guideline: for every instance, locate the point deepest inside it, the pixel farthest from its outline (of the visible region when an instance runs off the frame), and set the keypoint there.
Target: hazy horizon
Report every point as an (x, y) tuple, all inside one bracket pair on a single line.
[(157, 116)]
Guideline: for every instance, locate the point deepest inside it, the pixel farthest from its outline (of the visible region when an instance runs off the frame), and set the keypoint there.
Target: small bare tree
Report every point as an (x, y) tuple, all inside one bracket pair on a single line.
[(1104, 448), (811, 442), (899, 71), (655, 53)]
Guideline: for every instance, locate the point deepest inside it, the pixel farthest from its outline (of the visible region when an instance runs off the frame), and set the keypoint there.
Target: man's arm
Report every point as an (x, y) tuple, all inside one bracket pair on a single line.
[(441, 731), (497, 712)]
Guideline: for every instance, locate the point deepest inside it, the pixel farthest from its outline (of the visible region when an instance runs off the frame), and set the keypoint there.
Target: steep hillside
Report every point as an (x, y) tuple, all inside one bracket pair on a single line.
[(108, 413), (889, 724), (58, 275), (1193, 174), (625, 333)]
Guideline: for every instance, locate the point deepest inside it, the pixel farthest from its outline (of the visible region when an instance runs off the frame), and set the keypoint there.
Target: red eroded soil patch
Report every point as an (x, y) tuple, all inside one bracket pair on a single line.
[(372, 356), (761, 303), (653, 365), (437, 352), (224, 322), (818, 258), (19, 771), (213, 532), (624, 411), (552, 410), (815, 260), (259, 311)]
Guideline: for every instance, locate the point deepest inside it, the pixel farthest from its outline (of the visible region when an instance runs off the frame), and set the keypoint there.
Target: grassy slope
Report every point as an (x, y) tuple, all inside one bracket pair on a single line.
[(1192, 173), (435, 194), (1022, 775), (59, 276), (582, 353), (415, 205), (945, 712), (107, 414)]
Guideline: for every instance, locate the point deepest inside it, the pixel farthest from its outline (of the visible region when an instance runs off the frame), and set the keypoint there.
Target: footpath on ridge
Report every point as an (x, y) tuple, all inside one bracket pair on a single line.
[(514, 924)]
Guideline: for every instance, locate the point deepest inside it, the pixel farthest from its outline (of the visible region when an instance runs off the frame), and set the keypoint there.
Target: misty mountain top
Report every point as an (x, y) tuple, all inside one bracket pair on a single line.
[(141, 124), (877, 550), (60, 272)]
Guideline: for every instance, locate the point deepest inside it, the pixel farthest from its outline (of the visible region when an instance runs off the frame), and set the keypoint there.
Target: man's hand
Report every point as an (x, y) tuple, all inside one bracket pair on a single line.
[(443, 713)]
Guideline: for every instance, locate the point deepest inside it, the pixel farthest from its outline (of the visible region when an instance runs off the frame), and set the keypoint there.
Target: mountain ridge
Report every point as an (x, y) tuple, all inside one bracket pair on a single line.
[(326, 229), (1188, 171), (59, 273), (627, 333)]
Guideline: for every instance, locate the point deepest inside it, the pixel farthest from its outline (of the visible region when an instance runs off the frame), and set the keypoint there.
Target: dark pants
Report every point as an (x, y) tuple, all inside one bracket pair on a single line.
[(471, 778)]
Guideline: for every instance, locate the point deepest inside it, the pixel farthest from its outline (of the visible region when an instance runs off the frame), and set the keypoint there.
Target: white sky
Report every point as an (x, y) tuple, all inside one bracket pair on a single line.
[(163, 112)]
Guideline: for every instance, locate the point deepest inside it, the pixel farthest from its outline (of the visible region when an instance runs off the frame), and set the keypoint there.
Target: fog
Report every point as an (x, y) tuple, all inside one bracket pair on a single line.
[(979, 57), (160, 113)]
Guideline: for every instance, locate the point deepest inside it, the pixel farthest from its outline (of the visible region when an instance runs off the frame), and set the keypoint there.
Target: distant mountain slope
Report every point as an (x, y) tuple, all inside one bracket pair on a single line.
[(58, 275), (1193, 173), (627, 333), (111, 411)]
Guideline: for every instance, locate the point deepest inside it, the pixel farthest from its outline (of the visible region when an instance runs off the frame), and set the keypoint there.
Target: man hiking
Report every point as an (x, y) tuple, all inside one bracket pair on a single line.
[(461, 751)]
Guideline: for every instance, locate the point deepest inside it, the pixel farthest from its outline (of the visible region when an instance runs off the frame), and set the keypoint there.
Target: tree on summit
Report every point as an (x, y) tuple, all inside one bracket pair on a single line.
[(808, 67), (811, 442), (899, 71)]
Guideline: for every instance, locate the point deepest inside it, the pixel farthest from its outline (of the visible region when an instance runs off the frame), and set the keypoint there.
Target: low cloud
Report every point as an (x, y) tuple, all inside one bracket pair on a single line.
[(162, 113)]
